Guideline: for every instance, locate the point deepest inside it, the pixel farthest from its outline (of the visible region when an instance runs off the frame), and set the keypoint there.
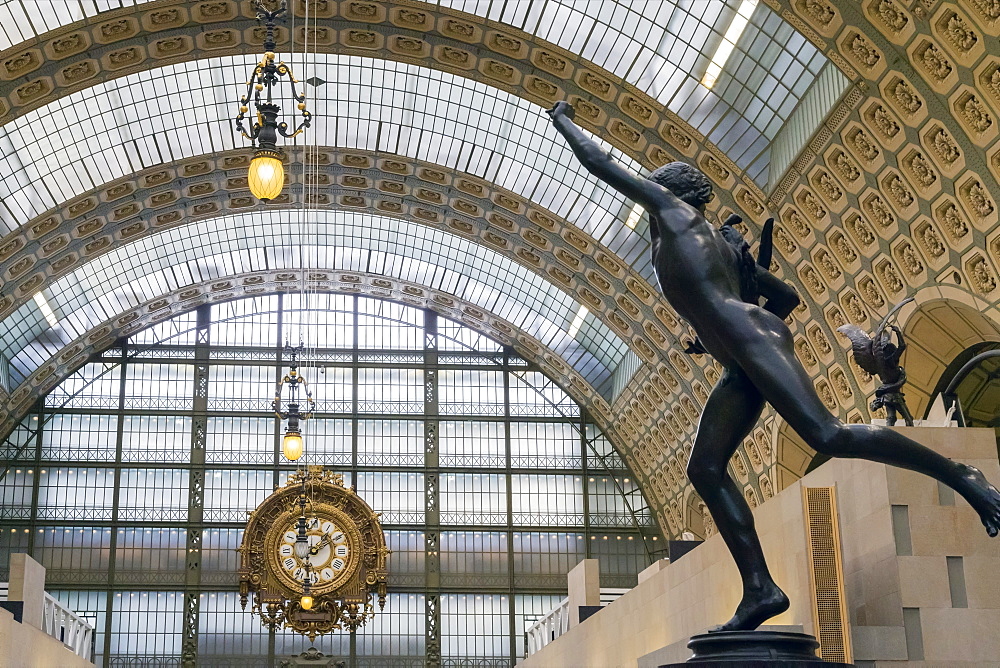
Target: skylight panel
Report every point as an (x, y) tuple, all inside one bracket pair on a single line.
[(634, 216), (43, 306), (728, 43), (581, 315)]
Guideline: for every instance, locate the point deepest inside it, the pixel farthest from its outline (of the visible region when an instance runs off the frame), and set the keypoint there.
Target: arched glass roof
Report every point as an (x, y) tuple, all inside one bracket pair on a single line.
[(185, 110), (664, 47), (286, 239)]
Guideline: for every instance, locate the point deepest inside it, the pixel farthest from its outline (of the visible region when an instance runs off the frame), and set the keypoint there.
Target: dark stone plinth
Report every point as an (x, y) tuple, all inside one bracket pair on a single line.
[(588, 611), (15, 608), (755, 649), (678, 548)]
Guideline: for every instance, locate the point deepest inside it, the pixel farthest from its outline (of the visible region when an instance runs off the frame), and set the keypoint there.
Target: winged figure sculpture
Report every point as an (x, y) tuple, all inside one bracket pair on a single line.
[(879, 355)]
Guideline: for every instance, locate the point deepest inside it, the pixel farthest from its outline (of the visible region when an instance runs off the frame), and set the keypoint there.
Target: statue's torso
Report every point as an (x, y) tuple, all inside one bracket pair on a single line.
[(696, 267)]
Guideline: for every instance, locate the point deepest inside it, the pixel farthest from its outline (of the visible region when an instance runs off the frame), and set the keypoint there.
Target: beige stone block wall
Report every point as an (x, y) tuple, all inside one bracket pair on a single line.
[(24, 646), (702, 588)]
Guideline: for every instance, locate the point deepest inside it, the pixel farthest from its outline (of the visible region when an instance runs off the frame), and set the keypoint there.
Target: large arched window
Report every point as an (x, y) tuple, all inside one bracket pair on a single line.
[(131, 482)]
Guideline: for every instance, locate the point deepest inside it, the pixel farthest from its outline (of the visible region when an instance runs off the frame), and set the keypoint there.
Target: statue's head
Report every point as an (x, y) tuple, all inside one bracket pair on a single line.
[(684, 181)]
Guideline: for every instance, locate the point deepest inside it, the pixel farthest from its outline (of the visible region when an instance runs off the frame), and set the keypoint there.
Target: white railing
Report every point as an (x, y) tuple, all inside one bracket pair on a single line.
[(556, 622), (611, 594), (64, 625), (547, 629)]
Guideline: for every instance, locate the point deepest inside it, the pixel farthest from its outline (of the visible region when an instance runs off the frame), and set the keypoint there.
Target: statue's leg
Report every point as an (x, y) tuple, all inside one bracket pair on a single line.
[(766, 356), (729, 415), (905, 411), (890, 414)]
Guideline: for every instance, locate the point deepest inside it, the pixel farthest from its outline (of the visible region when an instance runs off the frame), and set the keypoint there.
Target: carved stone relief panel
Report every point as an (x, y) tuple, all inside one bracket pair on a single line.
[(829, 188), (976, 118), (953, 221), (877, 210), (831, 270), (885, 126), (913, 268), (845, 250), (903, 97), (981, 274), (958, 35), (860, 229), (933, 64), (860, 52), (920, 172), (892, 18), (846, 168), (862, 144), (927, 238), (942, 148), (977, 201)]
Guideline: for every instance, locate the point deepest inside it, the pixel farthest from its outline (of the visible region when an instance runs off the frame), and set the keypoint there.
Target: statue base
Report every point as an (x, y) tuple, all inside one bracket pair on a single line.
[(755, 649)]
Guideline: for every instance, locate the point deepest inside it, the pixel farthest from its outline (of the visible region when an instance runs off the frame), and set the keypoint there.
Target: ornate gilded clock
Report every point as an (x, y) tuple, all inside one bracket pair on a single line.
[(313, 556)]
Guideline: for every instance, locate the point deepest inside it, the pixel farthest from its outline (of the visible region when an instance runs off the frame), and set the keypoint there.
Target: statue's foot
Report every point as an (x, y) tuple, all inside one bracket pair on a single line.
[(756, 608), (982, 496)]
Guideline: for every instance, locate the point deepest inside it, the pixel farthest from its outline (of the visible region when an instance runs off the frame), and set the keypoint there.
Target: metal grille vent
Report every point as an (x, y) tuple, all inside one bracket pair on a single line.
[(827, 574)]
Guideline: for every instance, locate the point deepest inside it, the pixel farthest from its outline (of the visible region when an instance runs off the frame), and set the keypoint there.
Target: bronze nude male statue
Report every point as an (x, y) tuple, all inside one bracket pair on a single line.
[(712, 282)]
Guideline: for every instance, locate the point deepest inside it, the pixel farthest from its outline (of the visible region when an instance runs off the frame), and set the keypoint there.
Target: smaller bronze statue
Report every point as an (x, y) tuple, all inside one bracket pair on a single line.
[(879, 356)]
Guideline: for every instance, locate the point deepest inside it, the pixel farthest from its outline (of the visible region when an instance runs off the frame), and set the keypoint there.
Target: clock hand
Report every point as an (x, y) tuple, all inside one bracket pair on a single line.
[(314, 550)]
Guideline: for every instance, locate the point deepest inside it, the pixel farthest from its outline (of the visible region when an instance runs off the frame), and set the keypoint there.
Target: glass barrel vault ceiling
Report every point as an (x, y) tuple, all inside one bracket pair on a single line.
[(185, 110), (661, 46), (286, 239)]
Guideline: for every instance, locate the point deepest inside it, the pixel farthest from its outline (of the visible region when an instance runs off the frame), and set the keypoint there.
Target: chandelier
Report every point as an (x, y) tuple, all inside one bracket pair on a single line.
[(291, 444), (267, 175)]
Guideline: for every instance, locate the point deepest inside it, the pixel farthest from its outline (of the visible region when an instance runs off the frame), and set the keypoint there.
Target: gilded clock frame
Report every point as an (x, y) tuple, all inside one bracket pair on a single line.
[(344, 603)]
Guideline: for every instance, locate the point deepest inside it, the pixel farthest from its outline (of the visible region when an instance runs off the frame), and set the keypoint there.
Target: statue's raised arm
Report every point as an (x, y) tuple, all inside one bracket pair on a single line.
[(599, 162)]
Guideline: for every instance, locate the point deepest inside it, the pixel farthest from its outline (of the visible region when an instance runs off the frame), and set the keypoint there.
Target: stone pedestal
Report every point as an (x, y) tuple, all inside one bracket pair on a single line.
[(27, 584), (754, 649), (584, 585)]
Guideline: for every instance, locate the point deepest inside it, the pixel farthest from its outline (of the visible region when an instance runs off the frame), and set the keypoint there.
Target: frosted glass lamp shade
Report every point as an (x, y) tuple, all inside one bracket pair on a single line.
[(306, 602), (266, 176), (291, 446), (301, 548)]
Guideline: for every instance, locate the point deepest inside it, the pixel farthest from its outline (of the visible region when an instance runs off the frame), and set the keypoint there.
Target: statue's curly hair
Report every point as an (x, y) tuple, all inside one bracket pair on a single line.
[(684, 181)]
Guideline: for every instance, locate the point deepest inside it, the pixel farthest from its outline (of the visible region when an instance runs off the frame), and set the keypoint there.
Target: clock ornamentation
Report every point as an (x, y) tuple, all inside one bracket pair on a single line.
[(313, 557)]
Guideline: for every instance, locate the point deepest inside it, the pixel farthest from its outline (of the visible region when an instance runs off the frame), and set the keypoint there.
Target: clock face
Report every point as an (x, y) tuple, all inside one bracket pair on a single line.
[(332, 557)]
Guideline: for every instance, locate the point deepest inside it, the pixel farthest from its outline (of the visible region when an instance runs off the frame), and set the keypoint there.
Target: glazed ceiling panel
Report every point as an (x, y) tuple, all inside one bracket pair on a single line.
[(178, 111), (663, 47), (271, 240)]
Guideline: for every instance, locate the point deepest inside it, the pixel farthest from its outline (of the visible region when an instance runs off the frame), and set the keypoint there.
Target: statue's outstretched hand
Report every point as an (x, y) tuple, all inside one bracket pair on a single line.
[(561, 108)]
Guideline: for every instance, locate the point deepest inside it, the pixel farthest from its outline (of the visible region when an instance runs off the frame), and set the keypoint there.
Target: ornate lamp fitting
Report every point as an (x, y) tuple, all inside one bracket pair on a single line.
[(266, 175), (292, 444)]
